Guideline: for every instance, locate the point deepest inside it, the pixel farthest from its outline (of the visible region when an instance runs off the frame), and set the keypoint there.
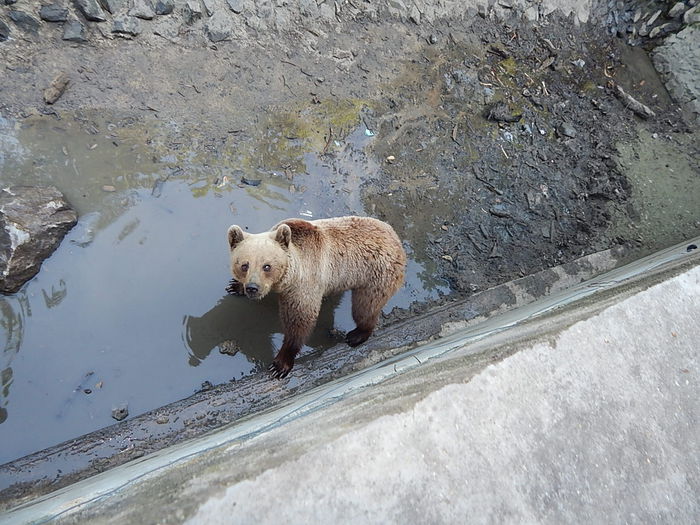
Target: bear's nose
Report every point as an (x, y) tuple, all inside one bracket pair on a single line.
[(252, 289)]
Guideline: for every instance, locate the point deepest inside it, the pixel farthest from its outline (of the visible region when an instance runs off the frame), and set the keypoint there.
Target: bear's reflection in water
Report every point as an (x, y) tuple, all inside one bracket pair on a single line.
[(252, 327)]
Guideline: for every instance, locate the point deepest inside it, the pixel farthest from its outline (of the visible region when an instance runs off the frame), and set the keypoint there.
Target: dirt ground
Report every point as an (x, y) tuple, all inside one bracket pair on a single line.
[(495, 143)]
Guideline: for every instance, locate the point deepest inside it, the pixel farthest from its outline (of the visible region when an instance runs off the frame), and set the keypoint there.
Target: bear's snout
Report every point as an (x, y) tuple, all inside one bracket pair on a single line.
[(252, 290)]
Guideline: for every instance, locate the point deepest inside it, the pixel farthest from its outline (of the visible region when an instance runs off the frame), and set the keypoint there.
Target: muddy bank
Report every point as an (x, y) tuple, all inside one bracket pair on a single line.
[(496, 145)]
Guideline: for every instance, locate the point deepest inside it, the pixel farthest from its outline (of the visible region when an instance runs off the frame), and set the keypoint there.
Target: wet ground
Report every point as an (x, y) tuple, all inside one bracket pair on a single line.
[(495, 151)]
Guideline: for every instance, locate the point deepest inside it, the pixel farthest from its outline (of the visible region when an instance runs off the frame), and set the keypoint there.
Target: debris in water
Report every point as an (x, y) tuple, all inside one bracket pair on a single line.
[(108, 188), (500, 112), (206, 386), (630, 102), (120, 412), (251, 182), (229, 347)]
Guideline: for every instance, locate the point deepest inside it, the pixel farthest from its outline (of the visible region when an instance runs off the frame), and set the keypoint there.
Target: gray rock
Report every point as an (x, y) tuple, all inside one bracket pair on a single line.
[(91, 10), (692, 16), (53, 13), (126, 25), (74, 31), (653, 18), (414, 15), (677, 10), (4, 31), (236, 6), (10, 2), (566, 130), (678, 61), (664, 29), (24, 21), (33, 221), (121, 412), (209, 6), (113, 6), (164, 7), (193, 11), (143, 9), (219, 27)]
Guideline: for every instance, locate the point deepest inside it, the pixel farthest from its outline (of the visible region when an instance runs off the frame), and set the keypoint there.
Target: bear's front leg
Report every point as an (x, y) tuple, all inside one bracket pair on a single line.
[(283, 363), (298, 316), (235, 288)]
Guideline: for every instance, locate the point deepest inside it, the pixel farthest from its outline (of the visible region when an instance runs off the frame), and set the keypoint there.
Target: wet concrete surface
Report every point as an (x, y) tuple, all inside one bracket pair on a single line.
[(132, 306)]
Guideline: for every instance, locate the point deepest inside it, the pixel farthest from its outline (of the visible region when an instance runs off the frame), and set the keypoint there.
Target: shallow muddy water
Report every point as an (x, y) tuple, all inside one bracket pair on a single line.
[(132, 309)]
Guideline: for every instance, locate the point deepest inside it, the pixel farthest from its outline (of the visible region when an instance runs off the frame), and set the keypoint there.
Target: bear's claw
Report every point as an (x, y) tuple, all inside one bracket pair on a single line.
[(235, 288), (278, 371), (357, 336)]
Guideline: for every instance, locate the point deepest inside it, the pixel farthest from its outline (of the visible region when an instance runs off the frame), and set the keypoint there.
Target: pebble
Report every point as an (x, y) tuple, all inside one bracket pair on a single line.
[(57, 88)]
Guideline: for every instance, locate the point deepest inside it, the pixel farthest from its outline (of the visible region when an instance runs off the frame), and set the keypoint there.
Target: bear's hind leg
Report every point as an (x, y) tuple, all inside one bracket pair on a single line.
[(367, 304)]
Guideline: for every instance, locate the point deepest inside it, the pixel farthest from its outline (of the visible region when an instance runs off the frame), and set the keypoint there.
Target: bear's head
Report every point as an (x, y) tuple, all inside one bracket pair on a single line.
[(259, 260)]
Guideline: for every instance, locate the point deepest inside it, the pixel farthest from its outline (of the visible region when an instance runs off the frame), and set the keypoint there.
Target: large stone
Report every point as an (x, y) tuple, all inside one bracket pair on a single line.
[(164, 7), (677, 10), (33, 221), (219, 27), (91, 10), (24, 21), (678, 63), (4, 31), (53, 13), (126, 25), (143, 9), (114, 6), (692, 16), (74, 31), (192, 11), (236, 6), (209, 7)]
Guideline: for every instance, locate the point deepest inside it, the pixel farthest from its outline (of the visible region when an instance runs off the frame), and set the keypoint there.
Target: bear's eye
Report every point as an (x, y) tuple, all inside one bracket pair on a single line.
[(267, 267), (244, 267)]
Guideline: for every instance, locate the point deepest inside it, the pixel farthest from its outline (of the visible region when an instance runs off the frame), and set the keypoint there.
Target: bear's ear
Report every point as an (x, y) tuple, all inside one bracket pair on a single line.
[(235, 235), (283, 235)]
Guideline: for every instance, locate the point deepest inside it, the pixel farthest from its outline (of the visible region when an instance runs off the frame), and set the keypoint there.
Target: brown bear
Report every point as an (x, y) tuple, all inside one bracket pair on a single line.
[(303, 261)]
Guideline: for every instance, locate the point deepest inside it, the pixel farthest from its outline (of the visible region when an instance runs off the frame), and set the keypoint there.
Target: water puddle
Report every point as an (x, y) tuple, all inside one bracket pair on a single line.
[(131, 309)]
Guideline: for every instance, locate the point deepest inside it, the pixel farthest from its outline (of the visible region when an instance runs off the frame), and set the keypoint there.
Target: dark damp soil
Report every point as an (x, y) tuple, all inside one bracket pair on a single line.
[(494, 149)]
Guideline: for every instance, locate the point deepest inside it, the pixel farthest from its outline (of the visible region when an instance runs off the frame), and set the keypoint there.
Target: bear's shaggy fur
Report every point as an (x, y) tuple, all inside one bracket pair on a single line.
[(304, 261)]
